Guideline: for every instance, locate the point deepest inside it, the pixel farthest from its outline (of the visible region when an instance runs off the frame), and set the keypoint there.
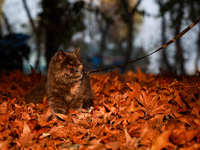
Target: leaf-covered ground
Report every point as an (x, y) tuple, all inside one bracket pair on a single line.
[(131, 111)]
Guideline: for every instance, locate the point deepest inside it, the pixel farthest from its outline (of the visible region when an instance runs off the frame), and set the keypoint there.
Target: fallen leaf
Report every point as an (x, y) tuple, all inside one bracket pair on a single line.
[(113, 145), (26, 137), (162, 141)]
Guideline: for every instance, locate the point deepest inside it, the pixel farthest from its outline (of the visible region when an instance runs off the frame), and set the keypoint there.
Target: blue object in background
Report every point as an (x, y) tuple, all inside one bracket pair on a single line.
[(13, 47)]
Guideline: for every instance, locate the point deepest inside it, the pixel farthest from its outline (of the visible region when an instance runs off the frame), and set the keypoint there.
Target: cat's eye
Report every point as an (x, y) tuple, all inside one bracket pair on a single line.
[(78, 65), (69, 66)]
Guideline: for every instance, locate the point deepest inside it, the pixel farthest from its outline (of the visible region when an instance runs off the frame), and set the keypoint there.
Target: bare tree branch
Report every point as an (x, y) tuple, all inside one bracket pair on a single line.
[(29, 15)]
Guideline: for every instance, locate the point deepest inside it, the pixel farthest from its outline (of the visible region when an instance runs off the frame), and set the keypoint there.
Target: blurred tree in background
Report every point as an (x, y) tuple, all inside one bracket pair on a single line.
[(36, 33), (118, 22), (1, 4), (164, 61), (128, 10), (179, 11), (4, 17), (194, 14), (104, 15), (58, 22)]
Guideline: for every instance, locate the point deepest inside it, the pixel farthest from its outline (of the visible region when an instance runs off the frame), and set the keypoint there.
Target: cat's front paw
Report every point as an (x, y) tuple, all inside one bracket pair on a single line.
[(58, 111), (87, 110), (90, 109)]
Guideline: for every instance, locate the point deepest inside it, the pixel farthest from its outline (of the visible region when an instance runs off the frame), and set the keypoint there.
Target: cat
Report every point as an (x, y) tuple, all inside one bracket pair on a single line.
[(67, 87)]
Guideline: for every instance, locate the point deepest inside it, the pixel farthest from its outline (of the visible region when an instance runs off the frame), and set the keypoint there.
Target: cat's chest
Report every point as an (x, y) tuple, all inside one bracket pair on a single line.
[(75, 88)]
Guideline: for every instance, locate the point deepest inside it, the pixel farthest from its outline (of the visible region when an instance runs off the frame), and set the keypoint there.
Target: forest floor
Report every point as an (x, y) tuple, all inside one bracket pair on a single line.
[(131, 111)]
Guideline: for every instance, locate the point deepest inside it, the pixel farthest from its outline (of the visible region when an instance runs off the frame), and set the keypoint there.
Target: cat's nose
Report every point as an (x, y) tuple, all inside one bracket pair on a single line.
[(76, 70)]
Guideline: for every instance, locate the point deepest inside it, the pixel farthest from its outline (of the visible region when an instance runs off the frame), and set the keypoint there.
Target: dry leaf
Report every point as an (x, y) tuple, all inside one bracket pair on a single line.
[(162, 141), (26, 137)]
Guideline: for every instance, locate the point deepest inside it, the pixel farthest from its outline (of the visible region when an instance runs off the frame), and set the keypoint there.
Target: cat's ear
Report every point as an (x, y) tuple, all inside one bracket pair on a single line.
[(77, 51), (61, 56)]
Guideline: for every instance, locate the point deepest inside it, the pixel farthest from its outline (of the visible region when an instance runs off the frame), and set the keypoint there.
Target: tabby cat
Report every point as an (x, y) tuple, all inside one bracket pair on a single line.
[(67, 87)]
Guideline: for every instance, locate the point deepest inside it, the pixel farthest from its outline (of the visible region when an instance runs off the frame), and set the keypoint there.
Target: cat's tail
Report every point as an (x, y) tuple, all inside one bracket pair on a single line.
[(37, 94)]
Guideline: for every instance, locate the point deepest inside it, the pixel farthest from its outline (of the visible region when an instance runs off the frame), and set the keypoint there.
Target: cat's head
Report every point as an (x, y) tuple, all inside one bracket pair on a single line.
[(66, 65)]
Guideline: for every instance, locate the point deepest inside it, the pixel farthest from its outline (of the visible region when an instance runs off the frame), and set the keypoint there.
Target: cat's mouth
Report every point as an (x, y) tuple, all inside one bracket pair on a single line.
[(77, 76)]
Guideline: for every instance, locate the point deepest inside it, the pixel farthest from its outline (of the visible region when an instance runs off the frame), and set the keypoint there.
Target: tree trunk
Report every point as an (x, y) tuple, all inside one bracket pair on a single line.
[(163, 36), (8, 27), (130, 41), (179, 53), (164, 61), (29, 15), (104, 30), (1, 5), (176, 15), (34, 30), (198, 51), (51, 46), (179, 50), (128, 19)]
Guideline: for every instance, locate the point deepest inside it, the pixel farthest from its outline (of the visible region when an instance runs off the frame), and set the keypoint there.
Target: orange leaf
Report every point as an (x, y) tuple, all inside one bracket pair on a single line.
[(25, 116), (191, 134), (178, 136), (129, 140), (178, 99), (3, 107), (113, 145), (4, 145), (162, 141), (26, 137)]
